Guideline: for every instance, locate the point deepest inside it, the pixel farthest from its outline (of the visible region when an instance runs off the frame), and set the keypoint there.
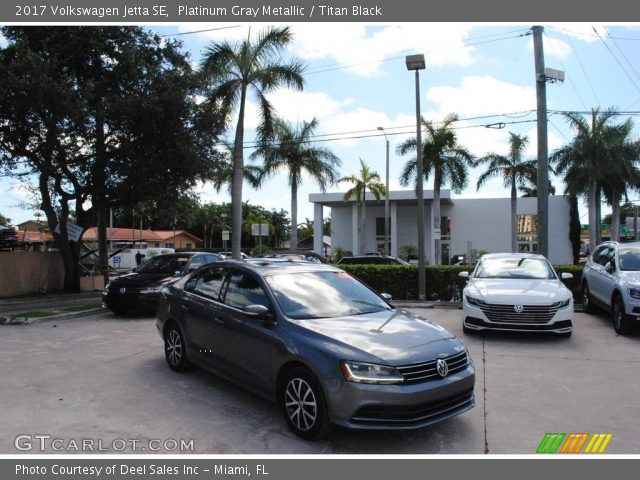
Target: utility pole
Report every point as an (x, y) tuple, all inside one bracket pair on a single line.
[(543, 161)]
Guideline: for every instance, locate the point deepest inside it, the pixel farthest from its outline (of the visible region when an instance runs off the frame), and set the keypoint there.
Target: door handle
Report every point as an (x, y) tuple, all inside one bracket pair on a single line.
[(218, 320), (184, 307)]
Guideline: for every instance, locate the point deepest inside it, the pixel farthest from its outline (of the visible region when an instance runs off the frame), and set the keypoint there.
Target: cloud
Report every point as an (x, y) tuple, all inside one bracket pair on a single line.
[(368, 47), (480, 95), (553, 47)]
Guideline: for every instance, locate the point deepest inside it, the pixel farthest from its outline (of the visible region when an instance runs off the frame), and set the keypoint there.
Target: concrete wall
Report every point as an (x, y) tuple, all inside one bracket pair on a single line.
[(25, 273)]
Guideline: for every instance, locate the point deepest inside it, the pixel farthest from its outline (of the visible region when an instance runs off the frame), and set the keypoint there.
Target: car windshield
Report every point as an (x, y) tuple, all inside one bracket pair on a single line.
[(528, 268), (163, 264), (304, 295), (629, 259)]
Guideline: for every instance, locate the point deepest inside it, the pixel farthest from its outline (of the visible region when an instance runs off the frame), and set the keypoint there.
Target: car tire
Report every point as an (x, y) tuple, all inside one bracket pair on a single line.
[(587, 304), (119, 311), (621, 324), (175, 349), (303, 404)]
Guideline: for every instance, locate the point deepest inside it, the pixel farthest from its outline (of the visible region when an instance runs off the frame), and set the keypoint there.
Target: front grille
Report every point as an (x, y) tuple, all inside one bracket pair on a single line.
[(406, 415), (424, 372), (129, 290), (529, 314)]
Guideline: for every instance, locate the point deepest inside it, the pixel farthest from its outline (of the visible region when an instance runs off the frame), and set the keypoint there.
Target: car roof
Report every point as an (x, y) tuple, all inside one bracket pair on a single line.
[(266, 266), (513, 255)]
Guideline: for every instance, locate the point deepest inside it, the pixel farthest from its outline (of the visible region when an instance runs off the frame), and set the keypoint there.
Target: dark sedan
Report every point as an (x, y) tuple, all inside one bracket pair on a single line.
[(139, 290), (323, 345)]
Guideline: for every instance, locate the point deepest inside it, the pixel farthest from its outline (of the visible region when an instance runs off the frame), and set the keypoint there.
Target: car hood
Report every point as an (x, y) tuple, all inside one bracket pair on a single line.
[(393, 337), (512, 291), (632, 277), (142, 279)]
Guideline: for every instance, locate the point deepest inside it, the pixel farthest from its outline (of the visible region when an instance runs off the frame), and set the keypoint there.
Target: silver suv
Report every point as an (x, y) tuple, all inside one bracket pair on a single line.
[(611, 280)]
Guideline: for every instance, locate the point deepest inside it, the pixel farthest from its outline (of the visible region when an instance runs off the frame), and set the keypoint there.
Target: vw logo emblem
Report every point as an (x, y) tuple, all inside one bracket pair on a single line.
[(518, 308), (442, 367), (123, 290)]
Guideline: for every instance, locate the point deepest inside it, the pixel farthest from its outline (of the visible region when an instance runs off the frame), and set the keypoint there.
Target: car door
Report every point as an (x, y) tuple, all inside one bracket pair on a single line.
[(203, 317), (252, 345), (597, 275), (608, 277)]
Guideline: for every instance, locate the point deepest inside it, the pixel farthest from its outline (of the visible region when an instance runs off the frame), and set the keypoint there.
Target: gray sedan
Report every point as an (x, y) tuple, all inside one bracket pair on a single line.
[(323, 345)]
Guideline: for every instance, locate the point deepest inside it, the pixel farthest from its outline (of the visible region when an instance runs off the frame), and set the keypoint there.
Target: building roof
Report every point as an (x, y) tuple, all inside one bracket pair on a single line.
[(401, 197), (135, 235)]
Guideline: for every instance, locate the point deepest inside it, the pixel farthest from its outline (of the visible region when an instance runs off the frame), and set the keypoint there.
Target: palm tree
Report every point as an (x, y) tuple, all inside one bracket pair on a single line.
[(514, 170), (591, 160), (623, 172), (235, 69), (442, 157), (224, 171), (367, 180), (290, 149)]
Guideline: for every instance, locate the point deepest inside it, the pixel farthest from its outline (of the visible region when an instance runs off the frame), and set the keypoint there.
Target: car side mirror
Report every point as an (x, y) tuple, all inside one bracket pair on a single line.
[(609, 267), (463, 275), (386, 297), (178, 273), (258, 311), (566, 276)]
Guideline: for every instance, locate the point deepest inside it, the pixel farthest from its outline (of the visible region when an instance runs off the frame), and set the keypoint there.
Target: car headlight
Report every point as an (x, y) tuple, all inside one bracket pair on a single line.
[(474, 301), (635, 293), (562, 304), (106, 287), (370, 373)]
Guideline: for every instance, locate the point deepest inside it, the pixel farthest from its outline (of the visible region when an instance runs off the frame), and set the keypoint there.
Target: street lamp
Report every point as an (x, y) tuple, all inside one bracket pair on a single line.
[(417, 63), (386, 198)]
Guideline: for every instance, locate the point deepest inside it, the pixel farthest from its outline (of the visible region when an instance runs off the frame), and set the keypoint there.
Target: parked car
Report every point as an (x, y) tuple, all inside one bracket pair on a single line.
[(229, 255), (295, 255), (140, 289), (8, 238), (371, 260), (611, 280), (317, 341), (517, 291)]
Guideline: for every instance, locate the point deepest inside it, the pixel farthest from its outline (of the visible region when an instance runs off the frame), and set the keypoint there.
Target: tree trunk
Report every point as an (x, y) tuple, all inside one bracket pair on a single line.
[(514, 217), (437, 180), (598, 204), (294, 216), (362, 240), (238, 178), (593, 226), (574, 228), (615, 217)]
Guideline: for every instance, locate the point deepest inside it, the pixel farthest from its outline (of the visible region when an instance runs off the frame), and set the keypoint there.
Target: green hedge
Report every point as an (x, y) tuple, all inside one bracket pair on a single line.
[(442, 281)]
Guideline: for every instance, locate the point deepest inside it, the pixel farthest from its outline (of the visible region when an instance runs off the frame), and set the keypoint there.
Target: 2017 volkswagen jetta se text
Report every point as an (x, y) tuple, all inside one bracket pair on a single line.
[(323, 345)]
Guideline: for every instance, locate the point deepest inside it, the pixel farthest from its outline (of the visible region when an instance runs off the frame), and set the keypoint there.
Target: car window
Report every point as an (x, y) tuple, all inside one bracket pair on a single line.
[(600, 256), (211, 258), (197, 261), (516, 267), (209, 282), (629, 259), (245, 290), (305, 295), (164, 264)]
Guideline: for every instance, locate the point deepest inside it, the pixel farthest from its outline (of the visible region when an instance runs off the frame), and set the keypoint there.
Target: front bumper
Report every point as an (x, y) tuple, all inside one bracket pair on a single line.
[(138, 302), (476, 319), (402, 407)]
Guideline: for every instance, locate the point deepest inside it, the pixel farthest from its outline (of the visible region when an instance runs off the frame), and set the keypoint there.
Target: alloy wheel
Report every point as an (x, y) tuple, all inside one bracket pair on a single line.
[(301, 404), (174, 348)]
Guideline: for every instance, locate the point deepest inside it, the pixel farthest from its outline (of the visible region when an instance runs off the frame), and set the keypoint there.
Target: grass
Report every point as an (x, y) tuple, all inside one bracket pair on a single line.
[(54, 311)]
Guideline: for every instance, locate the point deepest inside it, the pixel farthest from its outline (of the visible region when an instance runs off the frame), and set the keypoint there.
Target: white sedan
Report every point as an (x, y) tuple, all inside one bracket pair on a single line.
[(517, 291)]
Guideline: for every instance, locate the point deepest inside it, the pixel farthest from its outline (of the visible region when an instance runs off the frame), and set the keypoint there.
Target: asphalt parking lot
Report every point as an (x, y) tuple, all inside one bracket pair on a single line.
[(104, 377)]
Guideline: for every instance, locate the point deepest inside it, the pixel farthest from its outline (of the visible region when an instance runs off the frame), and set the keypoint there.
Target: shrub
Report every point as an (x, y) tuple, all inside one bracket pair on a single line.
[(442, 281)]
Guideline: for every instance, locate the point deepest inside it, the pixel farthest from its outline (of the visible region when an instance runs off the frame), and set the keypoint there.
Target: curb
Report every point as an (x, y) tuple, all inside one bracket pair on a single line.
[(17, 320), (8, 302)]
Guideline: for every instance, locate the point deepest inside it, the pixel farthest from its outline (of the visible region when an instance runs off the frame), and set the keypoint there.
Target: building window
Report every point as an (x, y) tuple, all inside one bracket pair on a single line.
[(527, 233), (188, 246), (168, 245), (156, 244), (380, 234)]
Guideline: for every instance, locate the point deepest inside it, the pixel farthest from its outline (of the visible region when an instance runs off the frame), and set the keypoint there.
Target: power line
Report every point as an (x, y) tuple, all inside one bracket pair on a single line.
[(622, 53), (200, 31), (617, 61), (565, 69), (584, 71), (584, 34)]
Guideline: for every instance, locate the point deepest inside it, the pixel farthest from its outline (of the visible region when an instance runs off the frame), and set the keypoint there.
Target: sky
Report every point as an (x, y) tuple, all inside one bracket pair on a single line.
[(356, 81)]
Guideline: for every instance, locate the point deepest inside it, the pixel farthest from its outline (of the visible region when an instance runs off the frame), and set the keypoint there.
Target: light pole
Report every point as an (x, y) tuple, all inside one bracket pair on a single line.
[(386, 197), (417, 63)]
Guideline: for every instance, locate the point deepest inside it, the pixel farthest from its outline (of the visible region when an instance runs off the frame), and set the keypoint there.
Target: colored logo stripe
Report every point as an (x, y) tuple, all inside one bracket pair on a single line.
[(574, 442), (550, 442), (598, 443)]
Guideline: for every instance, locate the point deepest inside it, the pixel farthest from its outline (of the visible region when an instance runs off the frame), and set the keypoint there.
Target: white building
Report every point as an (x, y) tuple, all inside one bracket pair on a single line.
[(468, 225)]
